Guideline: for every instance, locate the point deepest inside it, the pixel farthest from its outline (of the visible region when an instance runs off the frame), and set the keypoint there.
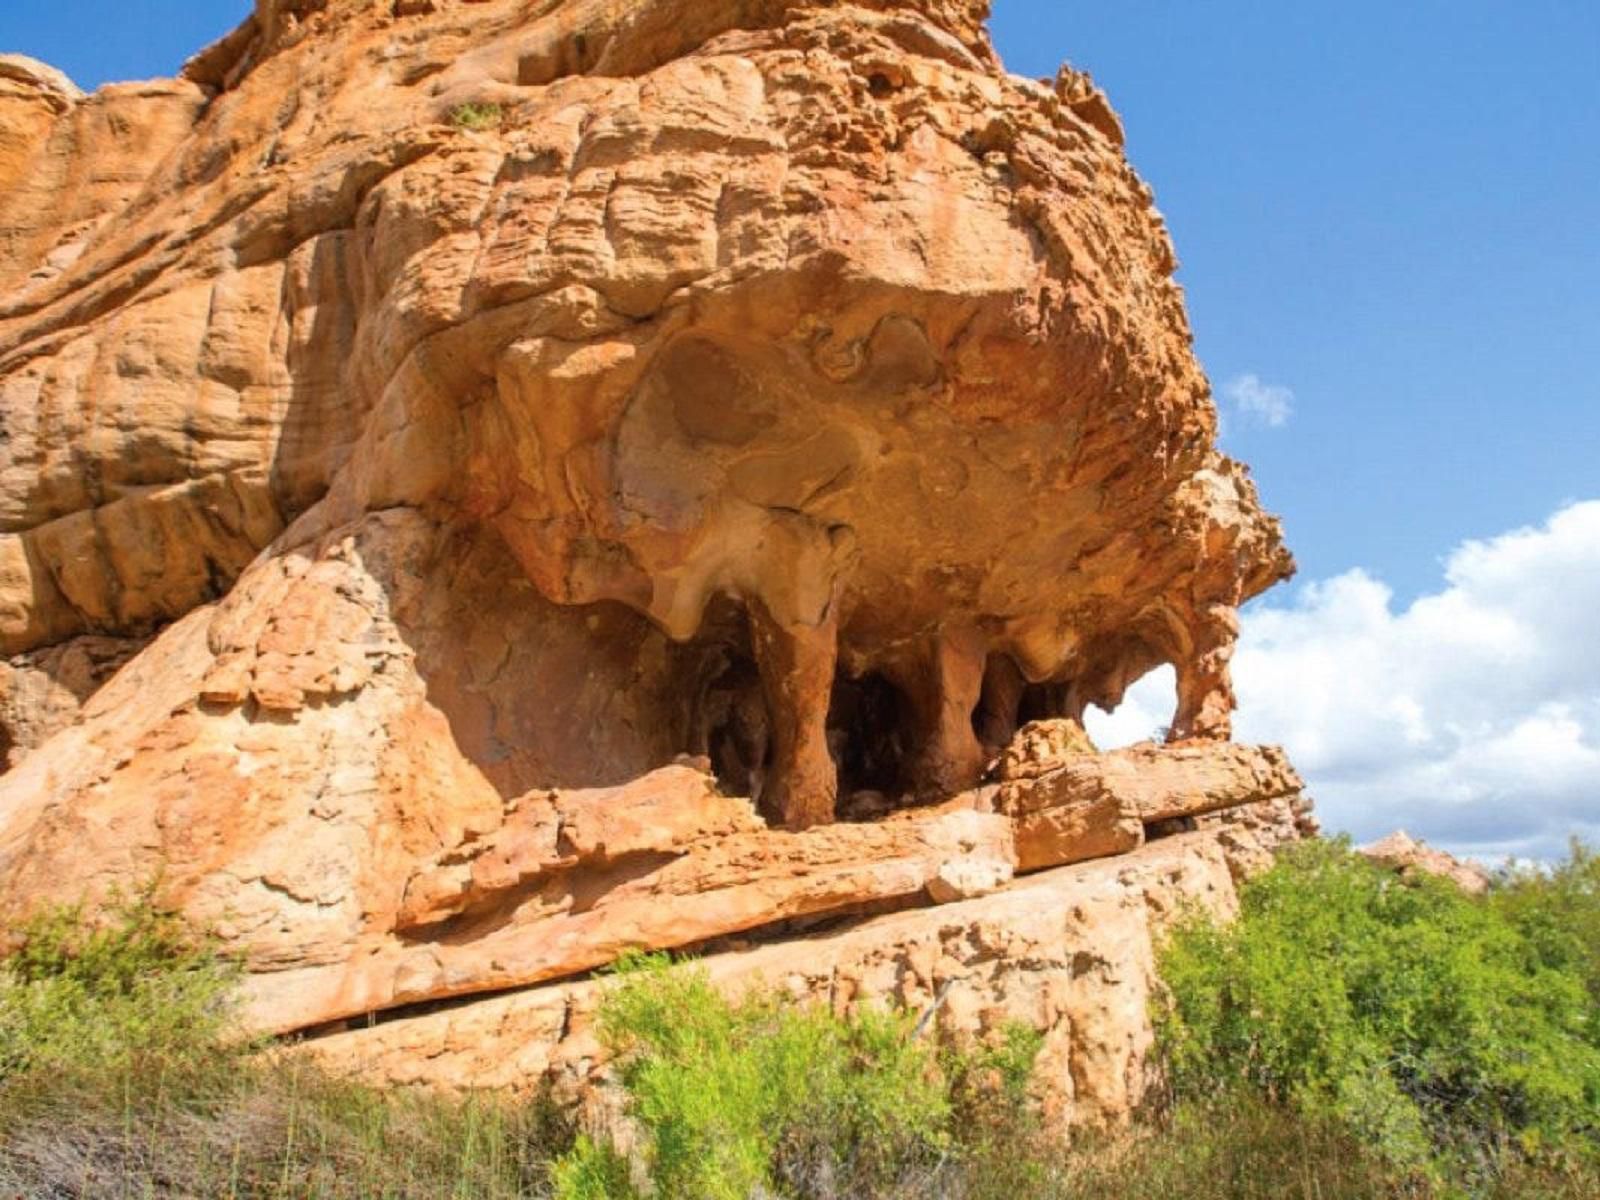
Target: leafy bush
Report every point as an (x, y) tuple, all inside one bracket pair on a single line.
[(1453, 1034), (75, 994), (1559, 908), (760, 1096)]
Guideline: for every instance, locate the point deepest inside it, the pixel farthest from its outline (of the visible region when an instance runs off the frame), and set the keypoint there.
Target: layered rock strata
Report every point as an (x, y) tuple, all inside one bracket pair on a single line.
[(1070, 952)]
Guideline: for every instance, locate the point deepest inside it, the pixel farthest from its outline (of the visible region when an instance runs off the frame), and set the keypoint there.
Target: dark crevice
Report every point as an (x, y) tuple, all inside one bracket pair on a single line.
[(1154, 831), (1043, 702), (869, 727), (870, 736), (881, 86)]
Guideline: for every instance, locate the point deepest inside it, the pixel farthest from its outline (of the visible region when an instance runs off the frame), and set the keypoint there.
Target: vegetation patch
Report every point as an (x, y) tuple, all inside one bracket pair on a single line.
[(121, 1075), (1457, 1036), (765, 1097), (77, 995), (478, 117), (1351, 1037)]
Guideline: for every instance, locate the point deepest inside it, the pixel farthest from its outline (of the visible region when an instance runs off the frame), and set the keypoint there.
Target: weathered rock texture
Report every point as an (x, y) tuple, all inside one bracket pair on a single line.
[(1409, 858), (463, 412), (1070, 952)]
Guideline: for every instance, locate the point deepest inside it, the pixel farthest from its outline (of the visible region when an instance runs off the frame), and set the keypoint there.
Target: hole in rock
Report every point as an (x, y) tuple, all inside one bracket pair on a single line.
[(869, 731), (1144, 714), (1156, 830), (880, 85), (868, 734)]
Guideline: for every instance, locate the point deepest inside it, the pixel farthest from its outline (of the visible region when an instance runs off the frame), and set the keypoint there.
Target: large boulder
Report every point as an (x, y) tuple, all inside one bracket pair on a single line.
[(823, 363)]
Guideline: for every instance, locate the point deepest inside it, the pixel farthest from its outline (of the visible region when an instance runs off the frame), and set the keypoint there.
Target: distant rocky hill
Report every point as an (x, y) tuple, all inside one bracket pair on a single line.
[(488, 484)]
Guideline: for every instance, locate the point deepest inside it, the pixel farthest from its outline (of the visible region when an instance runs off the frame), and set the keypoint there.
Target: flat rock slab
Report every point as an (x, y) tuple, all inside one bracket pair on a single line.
[(1070, 952)]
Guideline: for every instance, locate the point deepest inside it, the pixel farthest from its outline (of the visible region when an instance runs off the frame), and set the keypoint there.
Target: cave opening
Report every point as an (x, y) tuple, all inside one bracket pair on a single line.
[(728, 722), (870, 738), (1008, 701), (1042, 702), (870, 729)]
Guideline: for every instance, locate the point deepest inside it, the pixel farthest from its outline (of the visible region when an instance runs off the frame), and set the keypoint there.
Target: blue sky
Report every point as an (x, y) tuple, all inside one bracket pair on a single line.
[(1388, 217), (1392, 210)]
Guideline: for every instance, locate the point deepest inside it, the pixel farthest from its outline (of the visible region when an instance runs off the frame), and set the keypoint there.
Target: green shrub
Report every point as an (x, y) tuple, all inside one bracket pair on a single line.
[(76, 994), (736, 1099), (477, 117), (593, 1171), (121, 1076), (1559, 909), (1450, 1033)]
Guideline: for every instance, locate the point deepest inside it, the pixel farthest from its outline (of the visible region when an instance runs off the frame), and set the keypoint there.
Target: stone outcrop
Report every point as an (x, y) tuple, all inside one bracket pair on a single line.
[(1070, 803), (1070, 952), (485, 484), (842, 371), (43, 691), (356, 889), (1409, 858)]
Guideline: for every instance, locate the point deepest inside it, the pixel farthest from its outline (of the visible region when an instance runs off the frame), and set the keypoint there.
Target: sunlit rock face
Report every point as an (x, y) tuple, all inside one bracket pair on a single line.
[(851, 363), (450, 408)]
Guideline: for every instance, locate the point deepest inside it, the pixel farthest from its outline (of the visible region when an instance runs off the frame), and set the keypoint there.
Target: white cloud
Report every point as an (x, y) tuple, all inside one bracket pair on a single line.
[(1470, 717), (1258, 403)]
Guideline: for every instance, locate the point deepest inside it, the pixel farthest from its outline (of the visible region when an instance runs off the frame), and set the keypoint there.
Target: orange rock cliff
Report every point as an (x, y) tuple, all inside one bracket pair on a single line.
[(486, 484)]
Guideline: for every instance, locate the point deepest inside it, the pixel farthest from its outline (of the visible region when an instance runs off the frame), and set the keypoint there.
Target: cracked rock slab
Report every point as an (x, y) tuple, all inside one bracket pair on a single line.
[(1070, 952)]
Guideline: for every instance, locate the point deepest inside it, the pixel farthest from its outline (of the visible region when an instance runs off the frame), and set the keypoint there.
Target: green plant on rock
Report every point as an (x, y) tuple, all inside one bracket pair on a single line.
[(762, 1096), (477, 117)]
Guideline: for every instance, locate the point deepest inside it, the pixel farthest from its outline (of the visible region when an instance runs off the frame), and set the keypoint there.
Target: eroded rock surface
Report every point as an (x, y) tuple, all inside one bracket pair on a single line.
[(848, 367), (1409, 858), (1070, 952), (485, 484)]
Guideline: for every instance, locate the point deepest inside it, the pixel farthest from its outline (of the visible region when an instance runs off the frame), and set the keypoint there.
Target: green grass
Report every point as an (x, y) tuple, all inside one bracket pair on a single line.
[(1350, 1037)]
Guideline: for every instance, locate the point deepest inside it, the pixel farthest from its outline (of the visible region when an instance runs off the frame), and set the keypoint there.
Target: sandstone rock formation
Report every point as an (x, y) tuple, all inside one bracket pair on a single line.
[(1408, 858), (487, 438), (1070, 952)]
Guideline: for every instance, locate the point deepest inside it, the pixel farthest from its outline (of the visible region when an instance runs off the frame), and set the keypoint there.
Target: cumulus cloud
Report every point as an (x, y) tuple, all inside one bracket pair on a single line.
[(1258, 403), (1470, 717)]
